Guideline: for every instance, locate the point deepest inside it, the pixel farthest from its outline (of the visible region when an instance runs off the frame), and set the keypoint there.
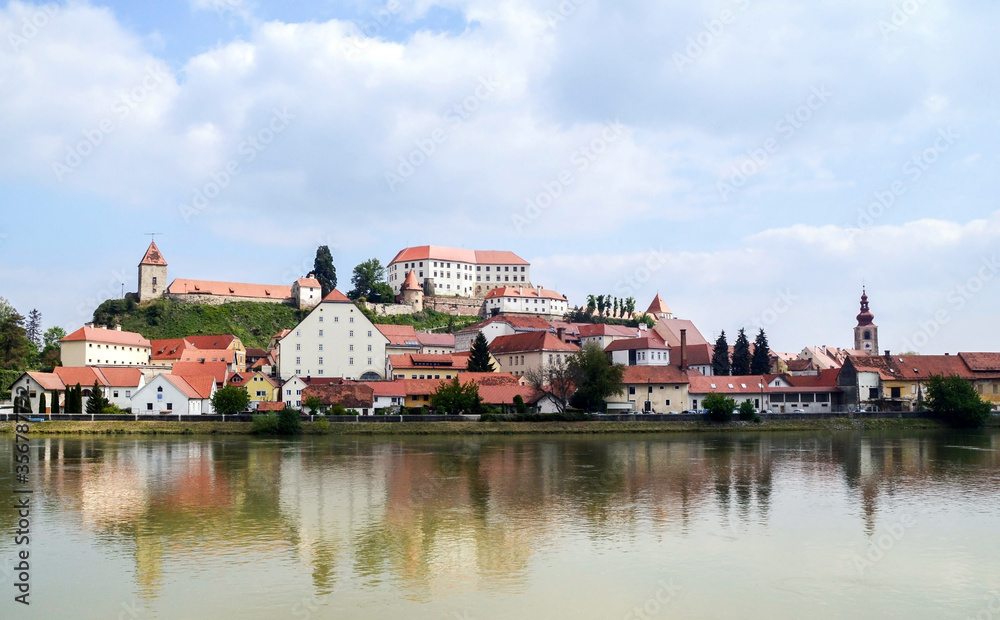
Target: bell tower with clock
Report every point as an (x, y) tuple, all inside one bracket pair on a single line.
[(866, 333)]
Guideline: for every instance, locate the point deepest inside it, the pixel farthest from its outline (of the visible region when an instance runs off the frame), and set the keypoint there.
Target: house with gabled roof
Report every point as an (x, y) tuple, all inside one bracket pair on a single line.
[(525, 300), (985, 373), (651, 389), (175, 394), (259, 386), (117, 383), (456, 271), (502, 325), (648, 350), (99, 346), (519, 353)]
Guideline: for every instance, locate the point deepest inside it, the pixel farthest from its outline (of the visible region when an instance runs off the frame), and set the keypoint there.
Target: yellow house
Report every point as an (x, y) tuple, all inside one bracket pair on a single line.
[(260, 387), (653, 389), (223, 342), (985, 368)]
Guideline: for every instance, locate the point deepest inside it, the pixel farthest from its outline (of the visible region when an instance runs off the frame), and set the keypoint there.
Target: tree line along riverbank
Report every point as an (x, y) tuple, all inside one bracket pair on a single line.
[(322, 427)]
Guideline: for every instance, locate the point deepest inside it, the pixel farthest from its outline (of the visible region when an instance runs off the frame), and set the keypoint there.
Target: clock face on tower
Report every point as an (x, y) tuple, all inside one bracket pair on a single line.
[(868, 345)]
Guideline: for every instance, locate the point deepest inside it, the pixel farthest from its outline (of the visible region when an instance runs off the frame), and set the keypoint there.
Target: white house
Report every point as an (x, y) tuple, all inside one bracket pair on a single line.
[(525, 300), (334, 340), (117, 384), (166, 394), (291, 391), (96, 346), (454, 271), (649, 350)]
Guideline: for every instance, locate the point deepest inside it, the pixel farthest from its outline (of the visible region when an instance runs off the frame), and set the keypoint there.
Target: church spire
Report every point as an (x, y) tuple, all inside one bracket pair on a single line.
[(865, 317)]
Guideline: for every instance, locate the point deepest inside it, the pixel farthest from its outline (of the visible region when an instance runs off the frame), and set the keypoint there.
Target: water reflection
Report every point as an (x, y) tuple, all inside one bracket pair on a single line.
[(435, 516)]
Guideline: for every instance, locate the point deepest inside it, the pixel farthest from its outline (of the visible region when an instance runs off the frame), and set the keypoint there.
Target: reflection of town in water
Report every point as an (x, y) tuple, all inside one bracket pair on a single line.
[(429, 515)]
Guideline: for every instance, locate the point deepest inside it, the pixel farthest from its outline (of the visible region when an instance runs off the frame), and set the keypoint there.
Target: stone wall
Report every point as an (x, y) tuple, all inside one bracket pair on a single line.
[(461, 306), (218, 300), (389, 309)]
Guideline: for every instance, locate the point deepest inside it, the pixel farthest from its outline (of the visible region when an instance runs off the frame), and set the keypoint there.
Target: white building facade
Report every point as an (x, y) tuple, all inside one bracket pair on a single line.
[(448, 271)]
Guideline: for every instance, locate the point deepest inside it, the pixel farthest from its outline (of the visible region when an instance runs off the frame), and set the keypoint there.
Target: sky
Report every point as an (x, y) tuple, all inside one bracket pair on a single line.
[(756, 163)]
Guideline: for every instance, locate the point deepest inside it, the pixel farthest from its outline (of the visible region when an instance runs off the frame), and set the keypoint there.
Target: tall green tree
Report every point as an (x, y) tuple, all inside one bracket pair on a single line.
[(74, 399), (601, 305), (16, 351), (596, 377), (50, 357), (741, 355), (720, 356), (955, 401), (96, 401), (55, 401), (479, 356), (453, 397), (591, 304), (760, 363), (369, 282), (230, 400), (42, 405), (324, 270), (34, 328)]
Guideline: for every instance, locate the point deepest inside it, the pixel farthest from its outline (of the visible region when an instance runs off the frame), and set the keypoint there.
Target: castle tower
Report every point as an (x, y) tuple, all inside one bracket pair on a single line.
[(866, 333), (658, 309), (152, 274), (411, 292)]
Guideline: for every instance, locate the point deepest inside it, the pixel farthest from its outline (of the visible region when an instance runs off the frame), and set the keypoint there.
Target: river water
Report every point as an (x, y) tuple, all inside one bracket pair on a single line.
[(779, 525)]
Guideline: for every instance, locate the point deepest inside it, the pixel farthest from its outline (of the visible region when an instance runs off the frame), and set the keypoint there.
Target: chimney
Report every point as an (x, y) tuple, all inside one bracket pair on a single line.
[(561, 334), (888, 356), (118, 328), (684, 349)]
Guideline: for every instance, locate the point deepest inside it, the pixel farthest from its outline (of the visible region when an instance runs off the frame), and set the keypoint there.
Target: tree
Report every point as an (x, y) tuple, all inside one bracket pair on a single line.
[(760, 363), (96, 401), (324, 270), (595, 376), (74, 399), (601, 305), (747, 410), (479, 356), (50, 357), (453, 397), (591, 304), (230, 400), (313, 403), (741, 354), (42, 406), (519, 406), (555, 380), (55, 401), (52, 336), (369, 282), (955, 401), (34, 329), (16, 351), (719, 407), (720, 356)]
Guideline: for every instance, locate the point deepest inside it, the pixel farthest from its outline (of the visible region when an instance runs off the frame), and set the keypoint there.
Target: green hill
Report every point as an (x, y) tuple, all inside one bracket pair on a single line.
[(254, 323)]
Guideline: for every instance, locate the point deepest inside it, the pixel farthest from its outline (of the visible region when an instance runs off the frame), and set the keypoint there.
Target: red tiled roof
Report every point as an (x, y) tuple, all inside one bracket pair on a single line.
[(436, 340), (84, 375), (420, 387), (518, 322), (825, 379), (633, 344), (399, 335), (308, 282), (256, 352), (350, 395), (410, 283), (799, 365), (109, 336), (186, 369), (721, 385), (153, 256), (222, 341), (524, 291), (192, 386), (47, 380), (670, 330), (981, 362), (530, 341), (117, 376), (169, 349), (436, 252), (654, 374), (337, 296), (488, 378), (874, 363), (504, 394), (268, 406), (590, 330), (921, 367), (697, 355), (658, 306), (387, 388), (183, 286)]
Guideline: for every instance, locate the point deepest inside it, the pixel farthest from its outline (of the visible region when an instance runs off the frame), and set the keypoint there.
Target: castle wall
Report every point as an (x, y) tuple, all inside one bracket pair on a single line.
[(218, 300)]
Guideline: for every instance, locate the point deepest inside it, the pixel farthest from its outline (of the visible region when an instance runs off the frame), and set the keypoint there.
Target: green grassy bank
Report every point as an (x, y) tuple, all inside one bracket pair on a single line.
[(473, 428)]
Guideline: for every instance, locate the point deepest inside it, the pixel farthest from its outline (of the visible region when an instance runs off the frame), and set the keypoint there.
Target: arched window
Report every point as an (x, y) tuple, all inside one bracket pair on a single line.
[(159, 389), (868, 335)]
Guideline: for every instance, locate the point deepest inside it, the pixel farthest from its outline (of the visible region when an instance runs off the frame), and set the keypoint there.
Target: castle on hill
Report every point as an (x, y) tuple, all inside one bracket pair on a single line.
[(303, 293)]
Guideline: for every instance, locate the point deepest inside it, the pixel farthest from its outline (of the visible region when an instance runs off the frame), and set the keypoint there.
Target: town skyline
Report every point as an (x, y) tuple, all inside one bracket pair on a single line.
[(764, 184)]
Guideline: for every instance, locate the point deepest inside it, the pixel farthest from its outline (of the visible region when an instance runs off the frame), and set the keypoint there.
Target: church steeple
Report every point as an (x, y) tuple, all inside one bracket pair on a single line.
[(152, 274), (866, 332)]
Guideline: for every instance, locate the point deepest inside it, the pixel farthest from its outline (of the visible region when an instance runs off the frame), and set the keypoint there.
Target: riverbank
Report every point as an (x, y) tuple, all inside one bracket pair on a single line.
[(475, 428)]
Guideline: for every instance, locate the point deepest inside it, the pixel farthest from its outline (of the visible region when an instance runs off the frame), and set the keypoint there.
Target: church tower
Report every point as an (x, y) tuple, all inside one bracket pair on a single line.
[(866, 333), (152, 274)]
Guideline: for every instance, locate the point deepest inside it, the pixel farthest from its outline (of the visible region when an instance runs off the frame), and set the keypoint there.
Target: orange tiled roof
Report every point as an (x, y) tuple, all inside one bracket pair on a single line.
[(268, 406), (658, 306), (153, 256), (437, 252), (750, 384), (209, 355), (182, 286), (387, 388), (981, 362), (169, 349), (654, 374), (192, 386), (350, 395), (529, 341), (921, 367), (633, 344), (220, 341), (337, 296), (216, 369), (308, 282), (399, 335), (436, 340), (47, 380), (410, 283), (589, 330), (117, 376), (107, 336)]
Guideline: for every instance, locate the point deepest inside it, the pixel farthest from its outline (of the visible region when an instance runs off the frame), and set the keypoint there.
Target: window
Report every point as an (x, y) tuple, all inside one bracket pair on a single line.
[(154, 280), (350, 361), (352, 319), (320, 371), (321, 346), (369, 333), (321, 318), (149, 406), (522, 269), (369, 348), (321, 361), (369, 361), (298, 346), (115, 394), (351, 333), (336, 319), (321, 333), (298, 360), (872, 393), (170, 406), (487, 269), (478, 268), (350, 347), (159, 389), (128, 393), (631, 389), (298, 332), (298, 392), (288, 392)]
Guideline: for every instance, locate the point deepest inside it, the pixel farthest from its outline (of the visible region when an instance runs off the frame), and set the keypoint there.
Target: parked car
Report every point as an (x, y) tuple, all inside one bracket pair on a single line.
[(689, 412), (798, 410), (767, 411)]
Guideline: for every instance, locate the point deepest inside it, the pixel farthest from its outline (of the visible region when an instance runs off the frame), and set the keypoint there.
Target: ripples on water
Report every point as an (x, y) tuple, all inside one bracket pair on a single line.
[(772, 526)]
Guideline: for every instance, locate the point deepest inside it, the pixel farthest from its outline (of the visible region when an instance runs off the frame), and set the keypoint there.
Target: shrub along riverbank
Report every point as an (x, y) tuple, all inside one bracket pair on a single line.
[(323, 427)]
